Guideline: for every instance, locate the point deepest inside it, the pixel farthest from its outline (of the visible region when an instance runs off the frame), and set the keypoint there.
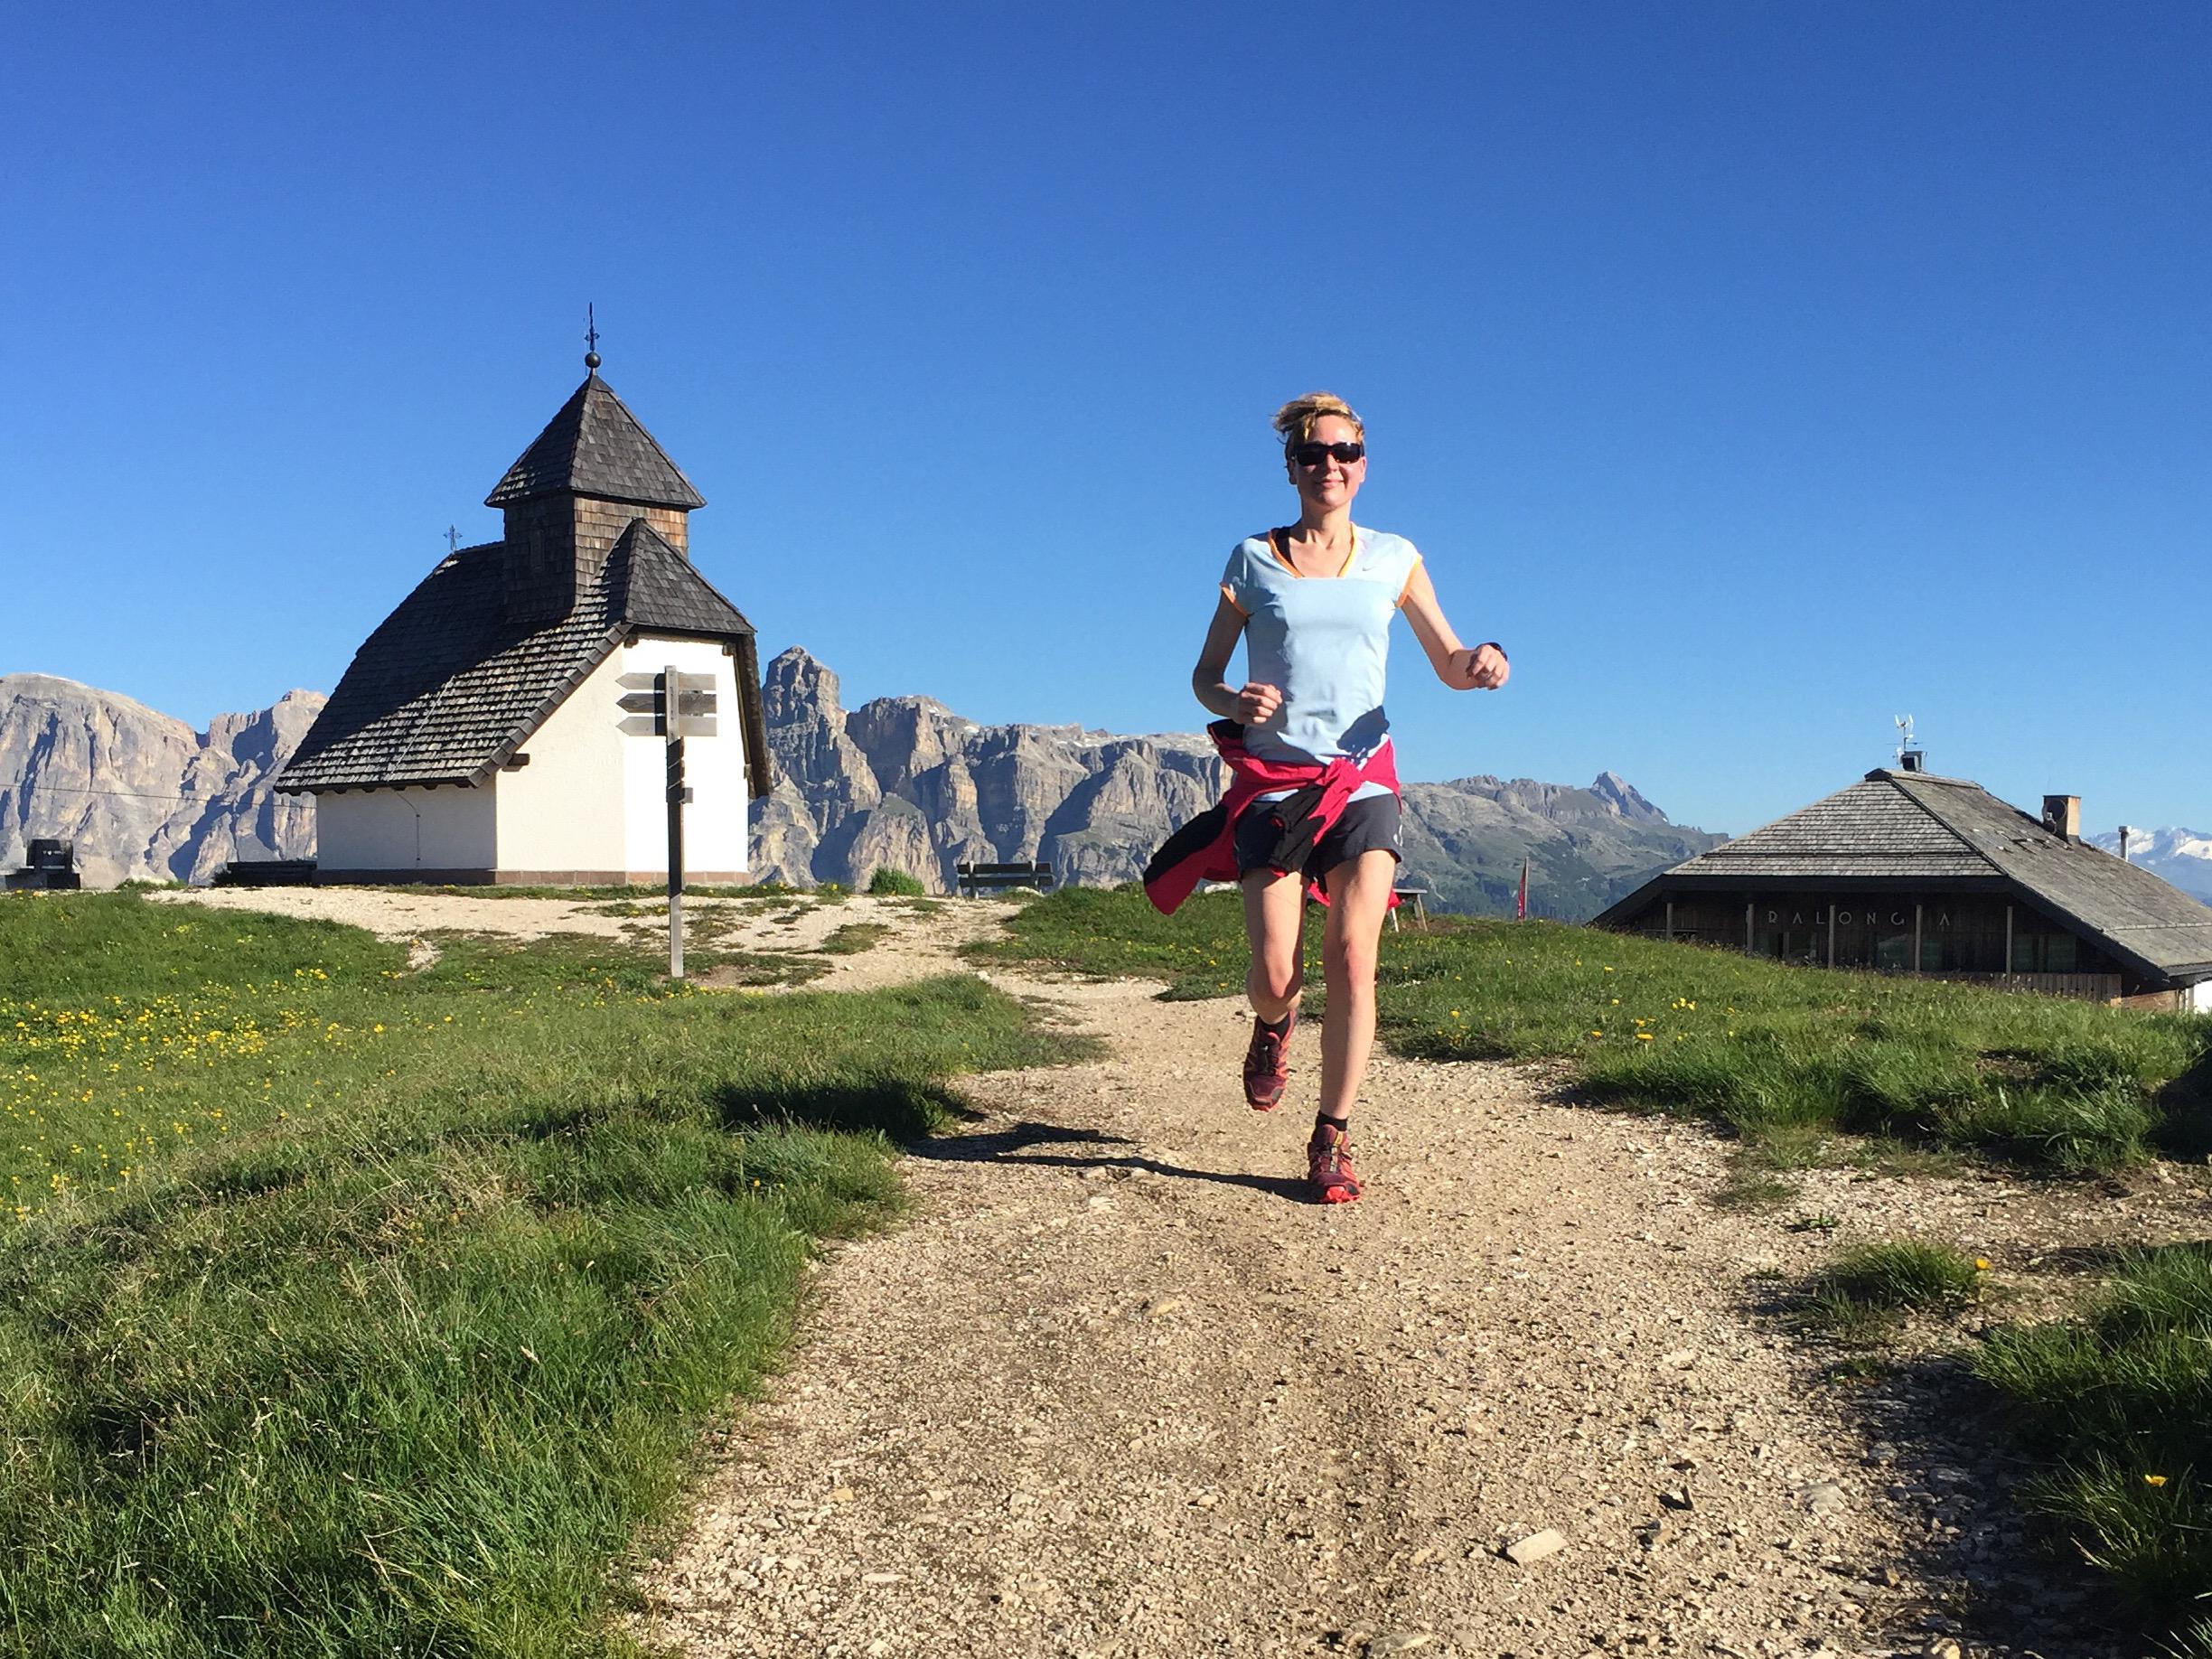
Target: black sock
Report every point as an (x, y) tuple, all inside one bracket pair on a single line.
[(1322, 1121), (1278, 1026)]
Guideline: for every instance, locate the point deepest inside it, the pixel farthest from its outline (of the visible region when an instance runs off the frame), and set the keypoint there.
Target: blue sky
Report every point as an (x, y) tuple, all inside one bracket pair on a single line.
[(1755, 372)]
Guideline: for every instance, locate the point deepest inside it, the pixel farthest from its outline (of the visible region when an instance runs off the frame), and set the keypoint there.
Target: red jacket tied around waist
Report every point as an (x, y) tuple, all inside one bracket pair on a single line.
[(1204, 849)]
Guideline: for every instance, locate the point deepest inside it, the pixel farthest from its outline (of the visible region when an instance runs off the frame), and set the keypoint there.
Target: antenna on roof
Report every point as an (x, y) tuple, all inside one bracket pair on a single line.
[(591, 338), (1909, 757)]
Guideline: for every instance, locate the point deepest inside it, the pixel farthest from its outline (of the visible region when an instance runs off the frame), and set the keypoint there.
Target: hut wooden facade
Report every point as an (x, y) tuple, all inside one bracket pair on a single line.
[(1905, 872)]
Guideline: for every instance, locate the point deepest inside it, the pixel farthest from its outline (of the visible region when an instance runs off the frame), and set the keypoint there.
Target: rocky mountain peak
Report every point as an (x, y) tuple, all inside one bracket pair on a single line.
[(142, 795), (796, 679), (907, 783), (903, 783), (1621, 795)]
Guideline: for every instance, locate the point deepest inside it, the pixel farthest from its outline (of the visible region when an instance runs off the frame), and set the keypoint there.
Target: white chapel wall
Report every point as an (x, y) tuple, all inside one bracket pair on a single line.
[(562, 814), (405, 829), (591, 801)]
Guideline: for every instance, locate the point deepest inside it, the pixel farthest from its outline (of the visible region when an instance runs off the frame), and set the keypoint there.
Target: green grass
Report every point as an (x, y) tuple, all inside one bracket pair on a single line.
[(2121, 1400), (347, 1310), (1862, 1294), (1778, 1053), (855, 937), (1753, 1186)]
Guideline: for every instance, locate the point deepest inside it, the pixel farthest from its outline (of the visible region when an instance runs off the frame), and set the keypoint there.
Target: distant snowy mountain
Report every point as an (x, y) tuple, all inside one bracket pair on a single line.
[(2181, 857)]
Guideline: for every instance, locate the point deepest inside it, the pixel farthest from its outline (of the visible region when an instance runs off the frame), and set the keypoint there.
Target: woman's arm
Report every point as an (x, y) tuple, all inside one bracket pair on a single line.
[(1482, 668), (1251, 705)]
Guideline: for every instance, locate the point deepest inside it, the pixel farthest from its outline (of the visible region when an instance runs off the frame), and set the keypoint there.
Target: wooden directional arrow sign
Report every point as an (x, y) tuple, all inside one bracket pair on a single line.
[(644, 704), (695, 707), (644, 711)]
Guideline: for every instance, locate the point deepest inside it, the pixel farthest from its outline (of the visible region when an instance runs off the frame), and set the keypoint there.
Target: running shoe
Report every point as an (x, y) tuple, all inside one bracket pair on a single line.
[(1267, 1063), (1328, 1166)]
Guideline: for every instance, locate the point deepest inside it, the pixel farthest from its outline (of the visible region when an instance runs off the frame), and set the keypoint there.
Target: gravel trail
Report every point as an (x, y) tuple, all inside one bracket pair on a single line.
[(1115, 1389)]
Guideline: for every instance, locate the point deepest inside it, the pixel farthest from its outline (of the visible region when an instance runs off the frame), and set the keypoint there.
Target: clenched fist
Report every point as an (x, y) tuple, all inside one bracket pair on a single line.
[(1257, 703), (1483, 668)]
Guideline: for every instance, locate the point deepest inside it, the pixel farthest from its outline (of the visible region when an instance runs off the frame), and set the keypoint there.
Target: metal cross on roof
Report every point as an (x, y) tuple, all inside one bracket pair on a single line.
[(452, 539), (591, 338)]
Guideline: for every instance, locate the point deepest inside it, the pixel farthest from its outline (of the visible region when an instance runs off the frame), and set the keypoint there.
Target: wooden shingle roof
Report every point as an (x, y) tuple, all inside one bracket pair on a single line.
[(1871, 829), (1914, 826), (2133, 911), (447, 689), (596, 446)]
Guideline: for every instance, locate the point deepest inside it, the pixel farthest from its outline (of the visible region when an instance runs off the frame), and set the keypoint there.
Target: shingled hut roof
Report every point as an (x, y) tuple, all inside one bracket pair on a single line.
[(1913, 826), (596, 446), (449, 688)]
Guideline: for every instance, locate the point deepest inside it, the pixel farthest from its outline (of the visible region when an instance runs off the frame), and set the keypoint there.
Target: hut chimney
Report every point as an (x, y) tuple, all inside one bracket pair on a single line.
[(2062, 816), (2125, 831)]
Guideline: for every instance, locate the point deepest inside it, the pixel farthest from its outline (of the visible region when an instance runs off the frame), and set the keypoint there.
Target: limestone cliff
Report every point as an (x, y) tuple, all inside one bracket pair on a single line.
[(904, 783), (901, 781), (144, 796)]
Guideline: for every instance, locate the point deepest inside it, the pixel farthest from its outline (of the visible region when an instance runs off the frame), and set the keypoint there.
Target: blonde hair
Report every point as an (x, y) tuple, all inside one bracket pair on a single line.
[(1295, 420)]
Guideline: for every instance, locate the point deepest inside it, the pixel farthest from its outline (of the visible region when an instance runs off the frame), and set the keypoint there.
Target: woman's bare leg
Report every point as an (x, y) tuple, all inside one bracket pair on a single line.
[(1275, 924), (1359, 893)]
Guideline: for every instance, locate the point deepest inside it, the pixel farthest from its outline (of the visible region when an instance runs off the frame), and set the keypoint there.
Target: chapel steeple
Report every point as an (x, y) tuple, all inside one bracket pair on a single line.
[(568, 499)]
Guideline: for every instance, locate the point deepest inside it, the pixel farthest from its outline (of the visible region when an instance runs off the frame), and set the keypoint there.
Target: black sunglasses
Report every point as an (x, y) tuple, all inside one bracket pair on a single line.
[(1310, 455)]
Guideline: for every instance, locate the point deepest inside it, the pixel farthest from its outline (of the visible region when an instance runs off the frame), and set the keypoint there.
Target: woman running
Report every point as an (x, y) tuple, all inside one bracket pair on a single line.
[(1313, 796)]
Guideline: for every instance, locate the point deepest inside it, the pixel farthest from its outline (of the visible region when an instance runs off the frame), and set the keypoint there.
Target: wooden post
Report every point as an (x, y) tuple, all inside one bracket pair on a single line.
[(2008, 967), (1831, 932), (1918, 959), (1669, 919), (670, 686), (1749, 906)]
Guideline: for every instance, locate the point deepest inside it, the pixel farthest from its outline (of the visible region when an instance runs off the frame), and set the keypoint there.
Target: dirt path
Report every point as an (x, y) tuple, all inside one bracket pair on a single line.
[(1117, 1390)]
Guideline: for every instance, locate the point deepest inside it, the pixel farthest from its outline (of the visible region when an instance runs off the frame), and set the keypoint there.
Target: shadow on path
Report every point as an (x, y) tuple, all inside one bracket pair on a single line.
[(1019, 1144), (1937, 1449)]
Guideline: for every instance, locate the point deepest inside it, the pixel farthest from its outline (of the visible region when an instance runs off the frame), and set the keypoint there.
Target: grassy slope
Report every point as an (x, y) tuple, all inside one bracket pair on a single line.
[(346, 1310), (1765, 1048)]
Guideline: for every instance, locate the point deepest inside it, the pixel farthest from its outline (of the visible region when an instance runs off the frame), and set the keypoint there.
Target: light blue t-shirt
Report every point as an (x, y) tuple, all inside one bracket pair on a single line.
[(1324, 640)]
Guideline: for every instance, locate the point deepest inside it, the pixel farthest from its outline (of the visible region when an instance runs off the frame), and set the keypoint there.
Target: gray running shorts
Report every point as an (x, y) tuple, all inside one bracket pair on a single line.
[(1365, 826)]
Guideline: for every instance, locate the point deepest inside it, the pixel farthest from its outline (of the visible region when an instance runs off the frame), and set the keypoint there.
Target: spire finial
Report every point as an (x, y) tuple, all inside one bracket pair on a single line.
[(591, 339), (452, 539)]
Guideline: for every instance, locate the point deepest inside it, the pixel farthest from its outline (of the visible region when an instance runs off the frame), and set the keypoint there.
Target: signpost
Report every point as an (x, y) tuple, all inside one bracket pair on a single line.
[(672, 706)]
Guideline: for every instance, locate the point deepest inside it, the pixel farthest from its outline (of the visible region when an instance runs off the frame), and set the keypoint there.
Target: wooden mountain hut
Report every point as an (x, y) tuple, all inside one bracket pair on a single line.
[(1905, 872)]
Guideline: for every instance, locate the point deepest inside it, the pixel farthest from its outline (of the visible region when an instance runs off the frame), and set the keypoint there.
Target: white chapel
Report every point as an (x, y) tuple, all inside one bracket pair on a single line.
[(478, 736)]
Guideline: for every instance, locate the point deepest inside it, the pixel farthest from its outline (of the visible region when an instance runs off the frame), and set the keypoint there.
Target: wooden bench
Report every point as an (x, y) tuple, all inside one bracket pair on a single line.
[(1410, 893), (976, 879), (267, 873), (49, 866)]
